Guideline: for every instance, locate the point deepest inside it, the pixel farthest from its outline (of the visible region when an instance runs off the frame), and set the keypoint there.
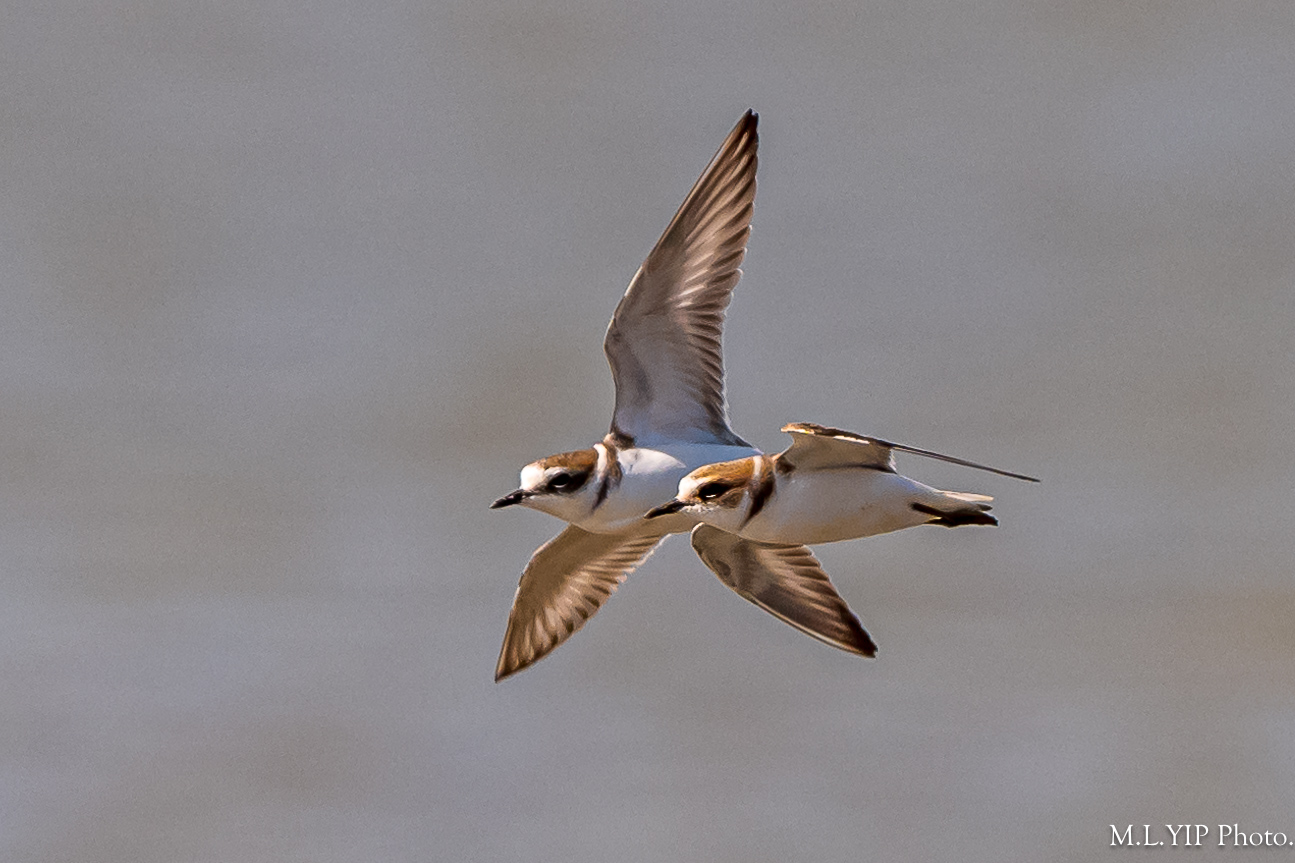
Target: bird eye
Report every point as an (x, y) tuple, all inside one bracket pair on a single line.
[(711, 490), (565, 482)]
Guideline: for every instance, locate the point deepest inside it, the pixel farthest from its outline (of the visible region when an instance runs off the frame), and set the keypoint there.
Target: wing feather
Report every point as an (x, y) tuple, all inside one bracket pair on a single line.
[(816, 446), (786, 581), (567, 581), (664, 341)]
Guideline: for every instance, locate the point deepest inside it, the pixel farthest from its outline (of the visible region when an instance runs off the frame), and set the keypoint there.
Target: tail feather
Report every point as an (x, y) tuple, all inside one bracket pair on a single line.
[(968, 509)]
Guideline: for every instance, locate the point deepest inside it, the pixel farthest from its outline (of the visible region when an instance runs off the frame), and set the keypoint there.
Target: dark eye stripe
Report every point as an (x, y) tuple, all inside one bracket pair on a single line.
[(565, 483), (712, 490)]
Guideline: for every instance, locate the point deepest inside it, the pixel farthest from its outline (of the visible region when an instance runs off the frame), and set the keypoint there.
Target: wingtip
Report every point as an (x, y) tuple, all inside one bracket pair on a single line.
[(857, 641), (747, 125), (511, 660), (505, 670), (862, 643), (514, 660)]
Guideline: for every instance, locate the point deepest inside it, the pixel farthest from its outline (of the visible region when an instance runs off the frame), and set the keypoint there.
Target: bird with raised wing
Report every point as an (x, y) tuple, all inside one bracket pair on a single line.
[(670, 417)]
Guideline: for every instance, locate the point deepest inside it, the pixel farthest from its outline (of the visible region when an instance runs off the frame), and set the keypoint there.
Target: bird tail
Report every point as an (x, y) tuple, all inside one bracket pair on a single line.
[(959, 508)]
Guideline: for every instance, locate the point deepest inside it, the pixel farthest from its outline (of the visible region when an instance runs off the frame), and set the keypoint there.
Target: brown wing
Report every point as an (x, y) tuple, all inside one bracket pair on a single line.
[(787, 582), (663, 343), (566, 582)]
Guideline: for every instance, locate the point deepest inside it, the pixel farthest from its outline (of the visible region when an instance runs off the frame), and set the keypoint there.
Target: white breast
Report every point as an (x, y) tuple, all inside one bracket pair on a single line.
[(812, 507), (650, 477)]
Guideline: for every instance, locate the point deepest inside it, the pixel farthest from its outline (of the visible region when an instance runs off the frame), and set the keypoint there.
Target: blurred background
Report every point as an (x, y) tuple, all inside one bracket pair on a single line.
[(292, 290)]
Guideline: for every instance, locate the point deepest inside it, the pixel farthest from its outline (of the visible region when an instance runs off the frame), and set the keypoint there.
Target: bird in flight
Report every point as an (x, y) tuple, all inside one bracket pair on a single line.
[(670, 417), (829, 485)]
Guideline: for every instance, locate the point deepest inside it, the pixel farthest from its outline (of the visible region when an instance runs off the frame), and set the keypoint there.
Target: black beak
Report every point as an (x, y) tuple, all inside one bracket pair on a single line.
[(510, 499), (666, 509)]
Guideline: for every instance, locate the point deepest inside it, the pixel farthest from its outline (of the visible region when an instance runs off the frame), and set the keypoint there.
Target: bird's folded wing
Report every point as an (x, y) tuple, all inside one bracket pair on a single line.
[(816, 446), (786, 581), (566, 582), (663, 342)]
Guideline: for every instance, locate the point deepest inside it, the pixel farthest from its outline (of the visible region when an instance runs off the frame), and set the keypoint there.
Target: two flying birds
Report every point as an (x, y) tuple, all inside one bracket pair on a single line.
[(671, 463)]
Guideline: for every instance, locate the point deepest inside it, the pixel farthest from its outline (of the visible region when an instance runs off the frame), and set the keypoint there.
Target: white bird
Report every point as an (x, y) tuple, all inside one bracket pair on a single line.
[(829, 485), (663, 345)]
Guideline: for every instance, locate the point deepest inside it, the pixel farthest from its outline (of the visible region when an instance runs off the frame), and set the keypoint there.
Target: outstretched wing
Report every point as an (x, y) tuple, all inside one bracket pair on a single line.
[(787, 582), (816, 446), (566, 582), (663, 342)]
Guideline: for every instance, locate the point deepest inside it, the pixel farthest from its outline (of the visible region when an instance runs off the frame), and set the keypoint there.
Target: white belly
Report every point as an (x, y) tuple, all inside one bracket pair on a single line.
[(833, 505)]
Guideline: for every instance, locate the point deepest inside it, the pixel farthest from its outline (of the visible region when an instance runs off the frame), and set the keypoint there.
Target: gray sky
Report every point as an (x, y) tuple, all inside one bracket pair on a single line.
[(292, 291)]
